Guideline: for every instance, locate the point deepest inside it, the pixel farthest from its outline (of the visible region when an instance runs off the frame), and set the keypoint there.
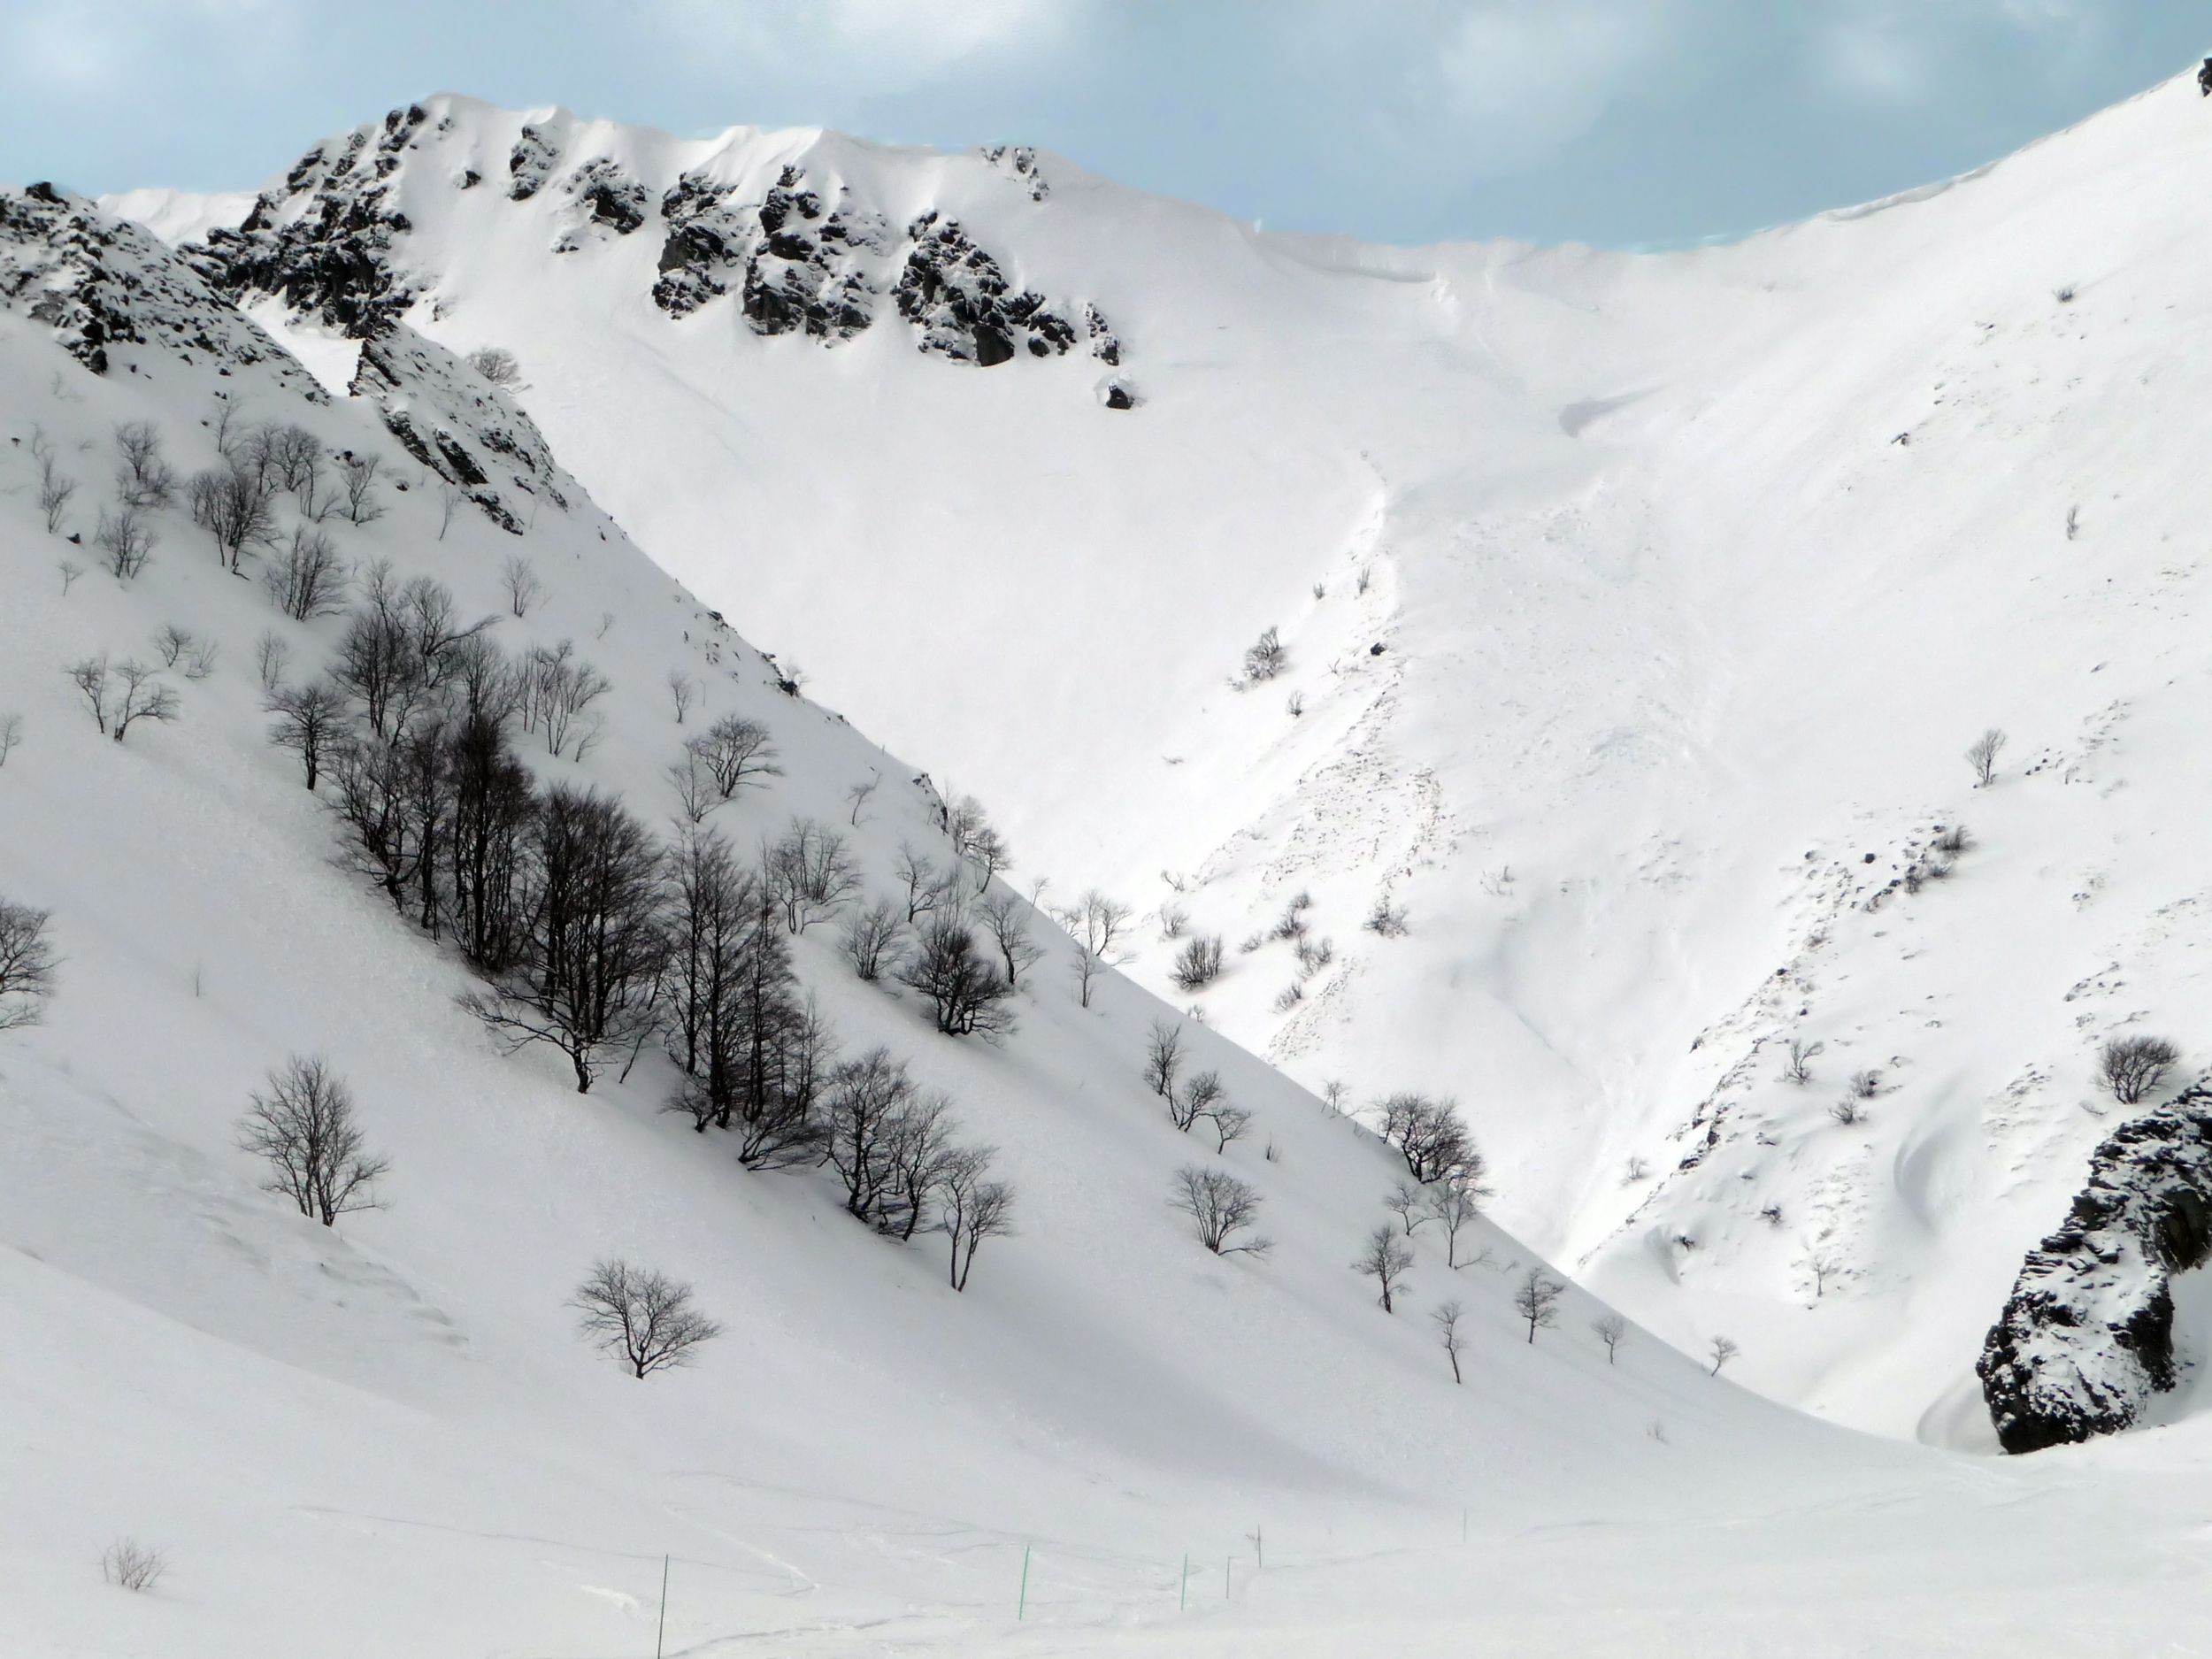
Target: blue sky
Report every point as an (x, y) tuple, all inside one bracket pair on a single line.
[(1621, 122)]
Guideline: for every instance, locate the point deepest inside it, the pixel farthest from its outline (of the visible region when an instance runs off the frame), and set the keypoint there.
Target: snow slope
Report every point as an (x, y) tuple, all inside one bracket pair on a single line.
[(1693, 575), (388, 1434)]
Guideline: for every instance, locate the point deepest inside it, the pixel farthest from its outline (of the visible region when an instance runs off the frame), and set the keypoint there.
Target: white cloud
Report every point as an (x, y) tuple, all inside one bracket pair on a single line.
[(867, 46)]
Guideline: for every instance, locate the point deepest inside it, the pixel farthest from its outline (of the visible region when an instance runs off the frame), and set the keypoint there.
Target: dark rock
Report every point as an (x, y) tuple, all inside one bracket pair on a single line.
[(1119, 397), (530, 164), (958, 297), (2086, 1337)]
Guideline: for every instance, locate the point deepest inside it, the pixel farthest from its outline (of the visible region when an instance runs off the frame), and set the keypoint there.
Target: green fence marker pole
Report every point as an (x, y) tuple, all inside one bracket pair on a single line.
[(661, 1635), (1021, 1609)]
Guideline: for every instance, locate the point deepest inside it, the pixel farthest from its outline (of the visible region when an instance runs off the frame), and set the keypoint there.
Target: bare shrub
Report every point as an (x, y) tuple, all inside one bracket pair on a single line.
[(1865, 1085), (2131, 1067), (870, 939), (1266, 658), (310, 721), (735, 752), (1198, 963), (1430, 1135), (1231, 1122), (54, 490), (1386, 1262), (236, 505), (307, 580), (966, 993), (1953, 840), (1848, 1111), (303, 1126), (1291, 924), (519, 577), (970, 1208), (10, 736), (1447, 1318), (27, 964), (357, 480), (1799, 1067), (132, 1565), (126, 541), (496, 365), (143, 479), (121, 695), (1200, 1097), (1982, 756), (1455, 1200), (1536, 1299), (1722, 1351), (1406, 1201), (1220, 1207), (1384, 919), (645, 1318), (1164, 1059), (558, 687), (683, 690), (1097, 923), (811, 873), (1174, 920), (1006, 918)]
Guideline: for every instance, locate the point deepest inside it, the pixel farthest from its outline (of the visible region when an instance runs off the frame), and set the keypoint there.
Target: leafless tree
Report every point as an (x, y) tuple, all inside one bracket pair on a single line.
[(1163, 1058), (1174, 920), (1982, 756), (1220, 1207), (54, 490), (116, 708), (1097, 923), (496, 365), (304, 1128), (450, 495), (236, 505), (10, 736), (1292, 924), (357, 477), (131, 1566), (520, 579), (695, 793), (1385, 918), (307, 580), (1612, 1330), (811, 872), (859, 795), (1447, 1317), (735, 752), (1429, 1134), (970, 1208), (683, 691), (144, 480), (925, 886), (1266, 659), (1723, 1350), (272, 656), (1231, 1122), (1536, 1299), (888, 1140), (557, 687), (311, 719), (1823, 1266), (126, 540), (27, 964), (1386, 1262), (1799, 1067), (1409, 1203), (294, 457), (1006, 918), (70, 571), (2131, 1067), (1198, 963), (1455, 1202), (870, 939), (646, 1317), (1200, 1098), (965, 992)]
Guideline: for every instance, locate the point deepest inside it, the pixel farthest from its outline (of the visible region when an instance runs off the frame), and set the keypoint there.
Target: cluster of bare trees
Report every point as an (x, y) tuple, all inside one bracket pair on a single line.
[(27, 964), (1190, 1101)]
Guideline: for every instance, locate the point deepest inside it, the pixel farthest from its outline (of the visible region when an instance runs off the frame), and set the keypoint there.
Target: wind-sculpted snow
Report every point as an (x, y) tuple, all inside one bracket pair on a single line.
[(2086, 1338), (98, 283)]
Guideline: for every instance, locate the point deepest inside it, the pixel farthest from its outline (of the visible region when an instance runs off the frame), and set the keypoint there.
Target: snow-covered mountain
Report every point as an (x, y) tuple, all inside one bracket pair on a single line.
[(1634, 615)]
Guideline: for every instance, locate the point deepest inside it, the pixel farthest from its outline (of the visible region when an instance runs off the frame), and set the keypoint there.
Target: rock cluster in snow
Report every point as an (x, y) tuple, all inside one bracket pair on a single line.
[(2088, 1335), (97, 281), (958, 297), (796, 263)]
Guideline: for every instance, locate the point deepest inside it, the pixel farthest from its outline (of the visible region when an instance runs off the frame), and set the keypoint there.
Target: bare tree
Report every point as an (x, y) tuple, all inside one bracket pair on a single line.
[(1163, 1058), (1384, 919), (54, 490), (1799, 1067), (144, 480), (1612, 1330), (236, 505), (1266, 659), (310, 720), (646, 1317), (1097, 923), (966, 993), (1455, 1202), (519, 577), (735, 752), (131, 1566), (2131, 1067), (70, 571), (870, 939), (1201, 1097), (1231, 1122), (1409, 1203), (695, 793), (1823, 1266), (272, 656), (859, 795), (888, 1139), (10, 736), (450, 495), (142, 697), (1722, 1351), (970, 1208), (1198, 963), (925, 886), (303, 1126), (557, 687), (308, 579), (127, 542), (812, 873), (1536, 1299), (1006, 918), (90, 675), (1386, 1262), (1982, 756), (496, 365), (1220, 1207), (1447, 1317), (683, 690), (1429, 1134), (27, 964), (357, 477)]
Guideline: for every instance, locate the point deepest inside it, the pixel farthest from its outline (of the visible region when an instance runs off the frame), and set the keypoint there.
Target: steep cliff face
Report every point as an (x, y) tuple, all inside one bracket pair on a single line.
[(2088, 1335)]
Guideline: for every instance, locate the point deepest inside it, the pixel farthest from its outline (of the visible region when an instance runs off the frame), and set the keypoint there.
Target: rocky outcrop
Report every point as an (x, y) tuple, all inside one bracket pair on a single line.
[(101, 283), (530, 164), (798, 265), (960, 301), (2086, 1338)]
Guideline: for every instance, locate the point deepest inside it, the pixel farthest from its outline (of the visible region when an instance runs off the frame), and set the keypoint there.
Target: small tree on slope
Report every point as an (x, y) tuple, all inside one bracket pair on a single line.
[(644, 1316)]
